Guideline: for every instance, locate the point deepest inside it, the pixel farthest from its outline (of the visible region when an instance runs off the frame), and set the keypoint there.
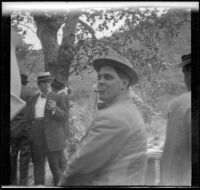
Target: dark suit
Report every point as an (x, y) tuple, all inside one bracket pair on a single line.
[(47, 137), (19, 142), (66, 128), (65, 97), (175, 163)]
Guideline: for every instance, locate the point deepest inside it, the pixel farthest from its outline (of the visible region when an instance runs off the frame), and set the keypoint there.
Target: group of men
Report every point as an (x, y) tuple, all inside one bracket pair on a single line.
[(114, 149), (31, 136)]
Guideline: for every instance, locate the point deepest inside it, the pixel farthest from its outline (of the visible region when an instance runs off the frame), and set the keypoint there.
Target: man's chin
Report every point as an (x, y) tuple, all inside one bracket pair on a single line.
[(102, 98)]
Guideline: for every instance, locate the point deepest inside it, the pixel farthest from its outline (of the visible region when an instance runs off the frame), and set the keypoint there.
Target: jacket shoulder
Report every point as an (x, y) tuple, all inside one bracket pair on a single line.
[(183, 100), (119, 113), (33, 97), (183, 97), (54, 95)]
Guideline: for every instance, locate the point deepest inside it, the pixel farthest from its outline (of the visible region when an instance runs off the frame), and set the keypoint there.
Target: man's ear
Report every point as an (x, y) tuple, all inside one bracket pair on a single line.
[(125, 83)]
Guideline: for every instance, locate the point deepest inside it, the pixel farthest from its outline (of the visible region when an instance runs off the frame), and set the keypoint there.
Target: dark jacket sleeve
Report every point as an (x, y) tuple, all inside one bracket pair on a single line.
[(61, 109)]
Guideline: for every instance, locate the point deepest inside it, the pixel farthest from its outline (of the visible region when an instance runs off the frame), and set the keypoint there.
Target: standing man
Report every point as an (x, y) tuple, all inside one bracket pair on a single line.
[(176, 159), (59, 88), (46, 114), (20, 140), (113, 151)]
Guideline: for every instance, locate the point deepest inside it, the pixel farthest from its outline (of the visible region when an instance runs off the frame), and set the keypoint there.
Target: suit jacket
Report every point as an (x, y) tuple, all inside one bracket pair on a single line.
[(66, 127), (114, 149), (53, 124), (176, 159), (18, 128)]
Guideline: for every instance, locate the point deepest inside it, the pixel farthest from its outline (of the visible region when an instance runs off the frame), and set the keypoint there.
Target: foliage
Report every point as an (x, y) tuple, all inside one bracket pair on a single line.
[(143, 25)]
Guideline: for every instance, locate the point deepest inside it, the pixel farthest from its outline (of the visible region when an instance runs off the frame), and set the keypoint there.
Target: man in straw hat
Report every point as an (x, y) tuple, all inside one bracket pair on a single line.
[(46, 114), (113, 151), (176, 159)]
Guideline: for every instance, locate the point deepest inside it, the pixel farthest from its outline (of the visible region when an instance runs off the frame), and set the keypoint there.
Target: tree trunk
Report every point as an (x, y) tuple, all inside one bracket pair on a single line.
[(47, 33), (66, 50), (57, 59)]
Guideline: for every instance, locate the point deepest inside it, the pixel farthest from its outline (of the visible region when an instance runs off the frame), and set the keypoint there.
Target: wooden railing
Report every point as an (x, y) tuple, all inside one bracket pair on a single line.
[(153, 167)]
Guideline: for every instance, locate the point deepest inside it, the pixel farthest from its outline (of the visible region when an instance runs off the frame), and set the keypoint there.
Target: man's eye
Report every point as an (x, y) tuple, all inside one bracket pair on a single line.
[(99, 77), (108, 77)]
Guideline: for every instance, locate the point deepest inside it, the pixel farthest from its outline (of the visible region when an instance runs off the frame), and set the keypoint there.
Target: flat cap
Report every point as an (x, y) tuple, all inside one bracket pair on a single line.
[(118, 61), (186, 59)]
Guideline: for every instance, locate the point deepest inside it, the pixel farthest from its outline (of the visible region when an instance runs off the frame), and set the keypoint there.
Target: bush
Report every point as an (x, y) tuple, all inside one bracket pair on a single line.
[(80, 94)]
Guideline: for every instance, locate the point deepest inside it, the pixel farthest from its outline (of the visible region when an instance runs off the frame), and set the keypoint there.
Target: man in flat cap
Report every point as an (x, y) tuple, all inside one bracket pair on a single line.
[(176, 159), (46, 114), (19, 140), (113, 152), (59, 88)]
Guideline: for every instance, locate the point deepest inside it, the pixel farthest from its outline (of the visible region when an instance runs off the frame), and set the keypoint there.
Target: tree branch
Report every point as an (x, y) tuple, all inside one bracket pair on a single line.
[(88, 28), (27, 27), (110, 44)]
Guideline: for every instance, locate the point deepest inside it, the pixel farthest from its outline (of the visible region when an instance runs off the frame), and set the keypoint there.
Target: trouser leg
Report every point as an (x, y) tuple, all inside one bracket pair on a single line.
[(13, 163), (64, 162), (38, 152), (55, 160), (25, 154)]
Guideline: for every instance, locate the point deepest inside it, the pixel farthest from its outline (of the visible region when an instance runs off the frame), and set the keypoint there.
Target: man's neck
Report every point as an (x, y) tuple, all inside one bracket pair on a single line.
[(122, 96)]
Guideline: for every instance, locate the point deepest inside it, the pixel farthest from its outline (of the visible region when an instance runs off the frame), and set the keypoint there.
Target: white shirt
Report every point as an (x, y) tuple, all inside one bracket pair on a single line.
[(40, 106)]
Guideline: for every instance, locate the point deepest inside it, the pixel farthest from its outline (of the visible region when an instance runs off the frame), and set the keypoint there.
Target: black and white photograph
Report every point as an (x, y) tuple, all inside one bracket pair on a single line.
[(100, 94)]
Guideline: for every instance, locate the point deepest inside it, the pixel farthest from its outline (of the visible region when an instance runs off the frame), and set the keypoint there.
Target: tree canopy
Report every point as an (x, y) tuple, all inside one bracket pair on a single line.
[(80, 44), (138, 38)]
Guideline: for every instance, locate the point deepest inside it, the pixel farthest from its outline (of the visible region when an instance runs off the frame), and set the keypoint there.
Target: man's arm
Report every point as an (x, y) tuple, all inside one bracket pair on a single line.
[(60, 112), (102, 144)]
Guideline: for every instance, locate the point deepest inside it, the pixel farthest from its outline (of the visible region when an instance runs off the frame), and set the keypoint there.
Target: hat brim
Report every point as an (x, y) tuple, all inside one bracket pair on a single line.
[(42, 80), (182, 64), (98, 63)]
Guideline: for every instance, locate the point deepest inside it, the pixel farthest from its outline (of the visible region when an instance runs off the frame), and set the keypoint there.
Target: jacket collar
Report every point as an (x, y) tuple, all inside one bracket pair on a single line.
[(119, 98)]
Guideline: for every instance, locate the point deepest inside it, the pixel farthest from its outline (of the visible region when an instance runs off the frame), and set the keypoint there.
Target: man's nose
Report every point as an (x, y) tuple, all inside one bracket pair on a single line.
[(101, 80)]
